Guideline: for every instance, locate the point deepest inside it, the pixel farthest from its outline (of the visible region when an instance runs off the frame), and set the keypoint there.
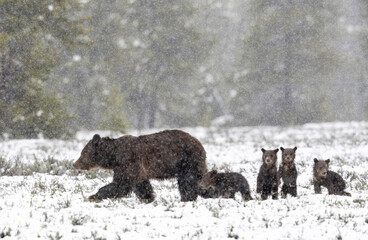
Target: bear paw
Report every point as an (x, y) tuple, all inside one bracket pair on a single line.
[(93, 198)]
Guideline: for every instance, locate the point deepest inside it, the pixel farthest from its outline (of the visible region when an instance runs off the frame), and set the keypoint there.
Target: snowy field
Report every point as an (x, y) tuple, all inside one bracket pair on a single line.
[(41, 196)]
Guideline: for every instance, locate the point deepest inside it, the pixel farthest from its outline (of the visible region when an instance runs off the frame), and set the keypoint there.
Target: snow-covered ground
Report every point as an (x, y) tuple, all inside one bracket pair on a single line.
[(52, 205)]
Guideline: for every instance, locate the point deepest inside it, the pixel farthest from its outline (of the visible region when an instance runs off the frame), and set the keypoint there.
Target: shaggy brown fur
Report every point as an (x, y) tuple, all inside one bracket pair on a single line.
[(136, 160), (334, 183), (214, 185), (288, 172), (267, 179)]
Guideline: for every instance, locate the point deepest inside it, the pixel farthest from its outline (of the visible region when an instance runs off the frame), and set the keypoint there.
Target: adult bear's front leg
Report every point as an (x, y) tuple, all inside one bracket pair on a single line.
[(112, 190), (188, 189), (144, 191)]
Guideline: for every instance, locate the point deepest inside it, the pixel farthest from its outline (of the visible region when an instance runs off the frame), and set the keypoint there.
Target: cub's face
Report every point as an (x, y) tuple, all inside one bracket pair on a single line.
[(321, 168), (288, 154), (269, 157), (86, 161), (208, 180)]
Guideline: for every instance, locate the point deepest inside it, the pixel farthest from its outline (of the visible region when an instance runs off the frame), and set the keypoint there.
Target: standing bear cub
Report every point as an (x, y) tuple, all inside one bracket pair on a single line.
[(288, 172), (267, 179), (136, 160), (214, 185), (334, 183)]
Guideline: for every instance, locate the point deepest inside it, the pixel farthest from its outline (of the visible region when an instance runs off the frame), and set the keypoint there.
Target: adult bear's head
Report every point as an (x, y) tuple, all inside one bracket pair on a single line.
[(98, 153), (87, 159)]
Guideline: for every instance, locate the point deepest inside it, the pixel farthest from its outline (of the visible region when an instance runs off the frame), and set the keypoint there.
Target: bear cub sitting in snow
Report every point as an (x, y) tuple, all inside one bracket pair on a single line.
[(288, 172), (334, 183), (215, 184), (267, 179)]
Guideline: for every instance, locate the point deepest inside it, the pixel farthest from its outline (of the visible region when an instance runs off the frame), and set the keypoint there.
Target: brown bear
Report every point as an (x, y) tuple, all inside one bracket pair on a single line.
[(214, 185), (267, 179), (288, 172), (136, 160), (334, 183)]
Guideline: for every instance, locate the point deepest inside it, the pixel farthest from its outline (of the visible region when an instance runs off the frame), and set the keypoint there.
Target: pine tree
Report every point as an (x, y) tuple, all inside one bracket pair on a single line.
[(33, 37), (288, 53), (165, 50), (88, 77)]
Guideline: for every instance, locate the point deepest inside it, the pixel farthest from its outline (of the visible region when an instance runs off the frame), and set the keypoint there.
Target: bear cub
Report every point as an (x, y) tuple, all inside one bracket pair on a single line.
[(334, 183), (288, 172), (215, 184), (267, 179)]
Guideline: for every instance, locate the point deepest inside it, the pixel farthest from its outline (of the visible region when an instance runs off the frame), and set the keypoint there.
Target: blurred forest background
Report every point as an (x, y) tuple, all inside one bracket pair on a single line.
[(67, 65)]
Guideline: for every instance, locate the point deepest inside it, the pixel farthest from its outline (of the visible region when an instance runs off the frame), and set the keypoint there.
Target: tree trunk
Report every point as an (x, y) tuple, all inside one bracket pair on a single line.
[(152, 109)]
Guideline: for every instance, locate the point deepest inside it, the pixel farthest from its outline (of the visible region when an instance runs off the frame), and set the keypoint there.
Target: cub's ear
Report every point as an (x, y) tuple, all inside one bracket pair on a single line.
[(263, 150), (295, 148), (315, 160), (327, 161), (282, 149), (276, 150), (96, 139), (212, 173)]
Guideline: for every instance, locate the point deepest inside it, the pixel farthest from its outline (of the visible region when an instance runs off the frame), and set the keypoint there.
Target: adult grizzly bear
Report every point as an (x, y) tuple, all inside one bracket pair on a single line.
[(136, 160)]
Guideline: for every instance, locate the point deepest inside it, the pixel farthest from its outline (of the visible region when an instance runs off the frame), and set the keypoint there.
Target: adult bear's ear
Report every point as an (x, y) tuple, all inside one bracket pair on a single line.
[(295, 148), (263, 150), (96, 139), (315, 160), (282, 149), (276, 150)]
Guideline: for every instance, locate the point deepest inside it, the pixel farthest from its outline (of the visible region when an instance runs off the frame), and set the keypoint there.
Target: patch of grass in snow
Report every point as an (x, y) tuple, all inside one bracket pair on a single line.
[(95, 237), (78, 220), (5, 232), (15, 167), (231, 233), (64, 203), (56, 236), (50, 165)]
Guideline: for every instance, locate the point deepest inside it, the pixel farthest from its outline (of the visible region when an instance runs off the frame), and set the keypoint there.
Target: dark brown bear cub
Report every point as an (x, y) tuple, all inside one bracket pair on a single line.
[(136, 160), (288, 172), (334, 183), (267, 179), (214, 185)]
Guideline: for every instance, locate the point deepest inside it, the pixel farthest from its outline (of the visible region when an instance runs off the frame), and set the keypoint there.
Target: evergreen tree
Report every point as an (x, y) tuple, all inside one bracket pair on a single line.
[(33, 36), (89, 76), (165, 50), (288, 55), (362, 32)]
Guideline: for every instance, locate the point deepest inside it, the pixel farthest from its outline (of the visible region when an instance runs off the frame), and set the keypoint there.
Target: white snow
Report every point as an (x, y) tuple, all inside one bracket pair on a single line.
[(45, 206)]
